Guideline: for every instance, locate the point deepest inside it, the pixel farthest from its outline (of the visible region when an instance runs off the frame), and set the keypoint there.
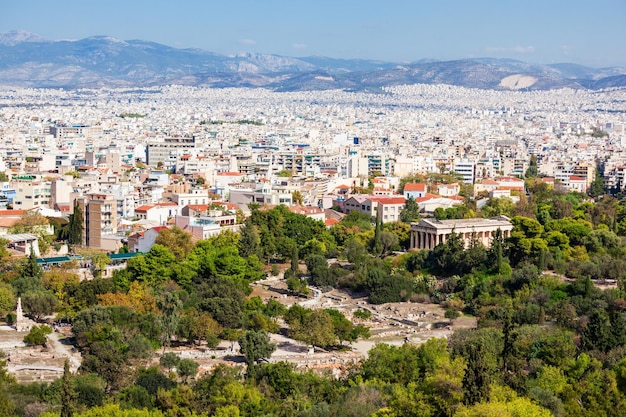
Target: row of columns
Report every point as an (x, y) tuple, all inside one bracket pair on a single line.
[(429, 239)]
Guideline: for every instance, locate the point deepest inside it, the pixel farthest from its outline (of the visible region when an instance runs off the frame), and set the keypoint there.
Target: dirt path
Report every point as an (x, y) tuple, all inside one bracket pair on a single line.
[(61, 349)]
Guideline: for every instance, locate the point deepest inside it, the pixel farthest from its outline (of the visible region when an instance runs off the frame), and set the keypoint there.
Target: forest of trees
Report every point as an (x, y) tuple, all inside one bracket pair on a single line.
[(548, 341)]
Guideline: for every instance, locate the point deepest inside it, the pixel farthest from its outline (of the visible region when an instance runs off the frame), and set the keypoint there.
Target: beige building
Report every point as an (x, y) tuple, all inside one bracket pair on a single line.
[(100, 227), (31, 194), (428, 233)]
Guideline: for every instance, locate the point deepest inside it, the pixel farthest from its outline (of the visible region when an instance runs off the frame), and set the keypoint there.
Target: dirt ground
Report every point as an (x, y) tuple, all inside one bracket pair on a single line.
[(30, 364), (393, 323)]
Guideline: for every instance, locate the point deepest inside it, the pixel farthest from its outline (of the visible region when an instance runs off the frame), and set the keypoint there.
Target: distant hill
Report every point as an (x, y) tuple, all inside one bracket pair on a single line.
[(28, 60)]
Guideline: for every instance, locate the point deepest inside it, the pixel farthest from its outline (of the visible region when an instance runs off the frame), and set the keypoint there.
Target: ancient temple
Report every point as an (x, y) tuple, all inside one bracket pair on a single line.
[(429, 233)]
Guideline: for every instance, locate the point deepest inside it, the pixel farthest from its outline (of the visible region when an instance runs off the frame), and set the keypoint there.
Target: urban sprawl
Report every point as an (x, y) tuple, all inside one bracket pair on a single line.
[(136, 160)]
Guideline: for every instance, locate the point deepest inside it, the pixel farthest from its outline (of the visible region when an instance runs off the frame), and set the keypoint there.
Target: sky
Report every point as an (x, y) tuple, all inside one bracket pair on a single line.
[(591, 33)]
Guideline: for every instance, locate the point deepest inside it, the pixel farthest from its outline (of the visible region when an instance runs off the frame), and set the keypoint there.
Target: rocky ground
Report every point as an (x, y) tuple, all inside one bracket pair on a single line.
[(30, 364), (393, 323)]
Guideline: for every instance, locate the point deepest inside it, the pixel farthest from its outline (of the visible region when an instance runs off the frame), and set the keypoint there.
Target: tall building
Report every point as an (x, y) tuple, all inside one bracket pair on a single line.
[(100, 227)]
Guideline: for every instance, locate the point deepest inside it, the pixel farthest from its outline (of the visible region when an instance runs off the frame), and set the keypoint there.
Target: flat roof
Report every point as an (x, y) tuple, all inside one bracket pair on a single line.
[(124, 256)]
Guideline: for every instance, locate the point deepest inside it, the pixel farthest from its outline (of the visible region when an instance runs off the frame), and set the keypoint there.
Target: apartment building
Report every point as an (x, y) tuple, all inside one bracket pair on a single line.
[(165, 151), (30, 194), (100, 226), (386, 208)]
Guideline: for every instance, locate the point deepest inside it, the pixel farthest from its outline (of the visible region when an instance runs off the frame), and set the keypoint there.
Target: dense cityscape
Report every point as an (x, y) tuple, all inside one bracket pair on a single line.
[(420, 250)]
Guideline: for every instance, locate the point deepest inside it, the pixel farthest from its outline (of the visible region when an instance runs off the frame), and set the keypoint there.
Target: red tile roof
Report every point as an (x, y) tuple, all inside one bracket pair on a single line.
[(414, 186), (427, 197), (388, 199), (12, 213), (330, 222), (198, 207)]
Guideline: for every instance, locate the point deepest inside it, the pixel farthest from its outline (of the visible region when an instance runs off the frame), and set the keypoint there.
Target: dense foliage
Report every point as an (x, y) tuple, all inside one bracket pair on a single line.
[(549, 340)]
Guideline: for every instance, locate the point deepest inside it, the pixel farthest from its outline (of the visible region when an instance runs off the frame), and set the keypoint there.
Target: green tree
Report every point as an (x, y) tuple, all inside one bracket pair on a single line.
[(99, 260), (37, 335), (355, 252), (256, 346), (153, 268), (169, 360), (7, 299), (294, 261), (410, 212), (297, 197), (152, 380), (169, 305), (477, 377), (68, 393), (75, 226), (597, 186), (532, 170), (39, 304), (297, 286), (376, 245), (187, 368), (518, 407), (30, 268), (176, 240), (317, 329), (496, 251), (108, 360)]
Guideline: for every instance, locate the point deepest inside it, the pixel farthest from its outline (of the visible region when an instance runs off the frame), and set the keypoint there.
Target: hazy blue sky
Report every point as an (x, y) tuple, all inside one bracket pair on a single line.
[(549, 31)]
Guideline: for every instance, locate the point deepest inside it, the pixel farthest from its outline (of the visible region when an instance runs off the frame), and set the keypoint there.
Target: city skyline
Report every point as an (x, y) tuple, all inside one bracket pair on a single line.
[(399, 31)]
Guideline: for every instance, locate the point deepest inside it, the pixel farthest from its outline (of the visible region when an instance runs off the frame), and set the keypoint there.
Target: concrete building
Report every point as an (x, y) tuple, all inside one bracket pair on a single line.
[(165, 151), (100, 227), (387, 208), (31, 194), (157, 213), (429, 233), (466, 169)]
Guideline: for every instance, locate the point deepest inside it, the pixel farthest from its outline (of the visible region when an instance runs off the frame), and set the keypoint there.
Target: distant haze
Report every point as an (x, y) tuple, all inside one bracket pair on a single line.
[(28, 60), (590, 33)]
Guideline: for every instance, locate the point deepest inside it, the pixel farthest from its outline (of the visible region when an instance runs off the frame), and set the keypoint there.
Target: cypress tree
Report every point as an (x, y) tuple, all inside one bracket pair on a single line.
[(476, 380), (75, 227), (294, 260), (377, 243), (31, 268), (68, 394)]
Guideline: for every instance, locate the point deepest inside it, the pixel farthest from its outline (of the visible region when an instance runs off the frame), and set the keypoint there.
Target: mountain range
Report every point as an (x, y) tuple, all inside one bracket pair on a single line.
[(28, 60)]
